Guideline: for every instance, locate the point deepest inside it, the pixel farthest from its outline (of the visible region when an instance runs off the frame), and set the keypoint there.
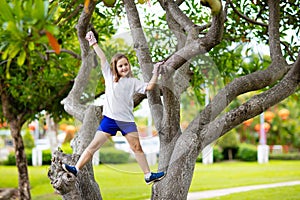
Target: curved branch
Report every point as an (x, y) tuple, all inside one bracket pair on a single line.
[(175, 28), (60, 94), (74, 13), (245, 17), (66, 11), (251, 82), (256, 105), (72, 101), (287, 48), (72, 53), (172, 9)]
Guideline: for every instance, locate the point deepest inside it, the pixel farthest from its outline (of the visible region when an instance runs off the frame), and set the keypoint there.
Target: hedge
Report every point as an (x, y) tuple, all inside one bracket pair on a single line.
[(247, 152), (11, 159), (285, 156), (113, 156)]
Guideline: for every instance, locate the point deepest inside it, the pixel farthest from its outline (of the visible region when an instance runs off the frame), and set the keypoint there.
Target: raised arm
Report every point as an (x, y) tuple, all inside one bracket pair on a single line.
[(93, 42), (156, 71)]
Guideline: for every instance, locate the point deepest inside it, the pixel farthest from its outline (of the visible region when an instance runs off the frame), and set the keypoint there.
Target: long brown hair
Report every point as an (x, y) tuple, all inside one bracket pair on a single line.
[(113, 66)]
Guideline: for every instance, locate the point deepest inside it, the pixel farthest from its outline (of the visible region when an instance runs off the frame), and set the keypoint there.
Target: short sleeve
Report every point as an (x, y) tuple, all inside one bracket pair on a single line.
[(140, 86)]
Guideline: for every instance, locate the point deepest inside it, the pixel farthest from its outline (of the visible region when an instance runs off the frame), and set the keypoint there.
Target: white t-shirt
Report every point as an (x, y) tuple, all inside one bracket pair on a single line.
[(118, 103)]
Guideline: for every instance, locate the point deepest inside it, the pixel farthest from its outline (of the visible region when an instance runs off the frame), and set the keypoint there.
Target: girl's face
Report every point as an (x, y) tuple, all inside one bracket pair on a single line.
[(123, 67)]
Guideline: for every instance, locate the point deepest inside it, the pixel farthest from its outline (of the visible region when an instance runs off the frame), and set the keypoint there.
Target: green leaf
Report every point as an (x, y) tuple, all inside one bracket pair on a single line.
[(31, 46), (5, 11), (13, 30), (28, 8), (38, 10), (7, 69), (4, 54), (53, 9), (21, 58), (14, 50), (52, 29), (17, 10), (46, 8)]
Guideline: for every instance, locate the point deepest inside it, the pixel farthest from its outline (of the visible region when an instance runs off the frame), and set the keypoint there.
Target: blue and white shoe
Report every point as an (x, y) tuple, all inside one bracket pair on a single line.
[(155, 177), (70, 169)]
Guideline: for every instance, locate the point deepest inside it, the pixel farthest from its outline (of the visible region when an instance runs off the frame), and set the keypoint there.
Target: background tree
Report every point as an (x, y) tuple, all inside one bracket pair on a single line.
[(194, 35), (39, 60), (31, 79)]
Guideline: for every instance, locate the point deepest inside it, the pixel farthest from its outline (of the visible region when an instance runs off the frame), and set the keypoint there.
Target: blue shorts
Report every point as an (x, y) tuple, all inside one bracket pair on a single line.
[(111, 126)]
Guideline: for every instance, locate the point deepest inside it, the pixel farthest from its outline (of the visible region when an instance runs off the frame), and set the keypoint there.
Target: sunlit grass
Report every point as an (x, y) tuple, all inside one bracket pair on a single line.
[(280, 193), (126, 181), (233, 174)]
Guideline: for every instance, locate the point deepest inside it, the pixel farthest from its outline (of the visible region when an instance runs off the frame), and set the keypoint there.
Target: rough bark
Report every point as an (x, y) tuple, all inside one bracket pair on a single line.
[(84, 185), (21, 161), (16, 122), (179, 150)]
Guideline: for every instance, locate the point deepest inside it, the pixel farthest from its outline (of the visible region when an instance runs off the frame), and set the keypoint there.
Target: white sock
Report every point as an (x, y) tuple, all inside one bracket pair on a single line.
[(77, 169), (148, 175)]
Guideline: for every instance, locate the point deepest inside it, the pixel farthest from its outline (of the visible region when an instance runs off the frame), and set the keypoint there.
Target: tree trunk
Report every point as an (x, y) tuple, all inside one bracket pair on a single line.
[(69, 186), (180, 169), (230, 154), (84, 186), (21, 161)]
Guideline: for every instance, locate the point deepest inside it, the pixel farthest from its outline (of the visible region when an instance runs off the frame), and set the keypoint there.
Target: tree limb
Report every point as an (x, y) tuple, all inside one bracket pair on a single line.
[(172, 8), (74, 13), (145, 61), (244, 16), (274, 35), (72, 101), (69, 6), (256, 105), (72, 53)]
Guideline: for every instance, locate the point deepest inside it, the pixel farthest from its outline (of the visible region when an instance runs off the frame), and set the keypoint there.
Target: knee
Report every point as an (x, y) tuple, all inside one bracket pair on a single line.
[(137, 148)]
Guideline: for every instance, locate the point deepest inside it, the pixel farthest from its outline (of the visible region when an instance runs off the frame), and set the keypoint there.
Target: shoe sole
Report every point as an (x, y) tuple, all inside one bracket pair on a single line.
[(156, 180)]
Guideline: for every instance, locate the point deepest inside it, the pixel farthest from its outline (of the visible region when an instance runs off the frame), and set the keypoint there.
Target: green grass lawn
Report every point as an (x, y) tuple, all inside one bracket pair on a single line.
[(280, 193), (126, 181), (234, 174)]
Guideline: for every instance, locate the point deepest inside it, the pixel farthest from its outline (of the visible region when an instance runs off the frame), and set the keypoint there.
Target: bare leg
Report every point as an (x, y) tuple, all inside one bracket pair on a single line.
[(99, 139), (135, 145)]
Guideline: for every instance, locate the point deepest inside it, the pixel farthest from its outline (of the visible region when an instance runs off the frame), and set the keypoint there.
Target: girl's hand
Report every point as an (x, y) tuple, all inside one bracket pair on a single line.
[(91, 38), (158, 69)]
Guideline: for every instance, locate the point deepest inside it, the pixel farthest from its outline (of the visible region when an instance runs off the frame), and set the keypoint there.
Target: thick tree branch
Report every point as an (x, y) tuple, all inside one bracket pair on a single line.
[(215, 32), (274, 35), (176, 29), (252, 82), (72, 101), (256, 105), (172, 8), (145, 61), (183, 77)]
